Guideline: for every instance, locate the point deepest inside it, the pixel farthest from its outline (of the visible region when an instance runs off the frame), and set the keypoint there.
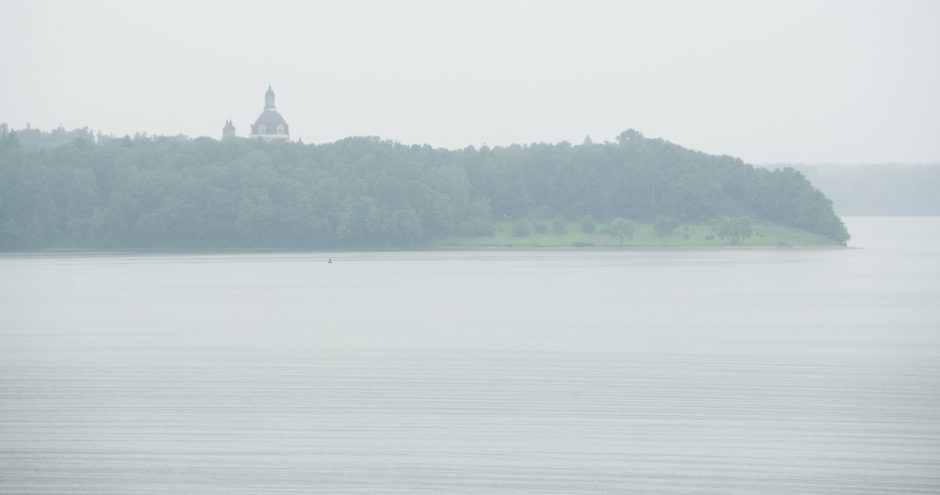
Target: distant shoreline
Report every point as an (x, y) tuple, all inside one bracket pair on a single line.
[(524, 235), (64, 253), (537, 236)]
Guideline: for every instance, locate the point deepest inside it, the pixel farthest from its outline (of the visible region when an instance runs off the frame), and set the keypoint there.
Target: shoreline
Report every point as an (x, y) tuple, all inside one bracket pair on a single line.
[(52, 253)]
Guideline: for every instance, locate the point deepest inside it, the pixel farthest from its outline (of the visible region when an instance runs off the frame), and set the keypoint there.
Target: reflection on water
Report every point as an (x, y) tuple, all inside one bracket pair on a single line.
[(488, 372)]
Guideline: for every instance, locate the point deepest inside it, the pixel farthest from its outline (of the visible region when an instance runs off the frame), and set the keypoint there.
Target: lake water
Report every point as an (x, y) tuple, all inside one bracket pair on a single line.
[(568, 372)]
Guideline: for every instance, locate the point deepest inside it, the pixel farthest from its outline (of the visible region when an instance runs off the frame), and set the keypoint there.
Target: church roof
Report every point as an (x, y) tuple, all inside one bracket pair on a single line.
[(270, 119)]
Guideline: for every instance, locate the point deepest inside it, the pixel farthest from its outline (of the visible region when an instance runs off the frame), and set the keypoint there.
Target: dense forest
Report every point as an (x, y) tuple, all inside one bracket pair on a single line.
[(72, 189)]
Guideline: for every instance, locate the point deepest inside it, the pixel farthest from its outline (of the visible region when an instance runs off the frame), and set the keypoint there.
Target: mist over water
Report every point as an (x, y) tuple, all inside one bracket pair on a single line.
[(733, 371)]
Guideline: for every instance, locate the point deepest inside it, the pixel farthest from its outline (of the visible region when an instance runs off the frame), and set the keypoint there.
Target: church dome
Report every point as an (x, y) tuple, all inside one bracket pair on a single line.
[(270, 124), (270, 119)]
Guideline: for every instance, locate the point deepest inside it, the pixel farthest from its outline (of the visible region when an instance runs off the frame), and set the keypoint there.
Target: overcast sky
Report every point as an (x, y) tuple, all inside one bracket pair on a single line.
[(787, 81)]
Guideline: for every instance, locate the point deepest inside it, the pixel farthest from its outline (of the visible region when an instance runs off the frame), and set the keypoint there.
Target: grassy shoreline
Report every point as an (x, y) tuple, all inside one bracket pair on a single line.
[(764, 235)]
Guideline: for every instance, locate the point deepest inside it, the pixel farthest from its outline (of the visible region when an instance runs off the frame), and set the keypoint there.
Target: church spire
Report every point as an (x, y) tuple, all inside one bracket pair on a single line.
[(269, 98), (228, 132)]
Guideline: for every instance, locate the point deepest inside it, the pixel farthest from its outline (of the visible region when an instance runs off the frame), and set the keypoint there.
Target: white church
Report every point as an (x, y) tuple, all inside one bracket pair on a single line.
[(269, 126)]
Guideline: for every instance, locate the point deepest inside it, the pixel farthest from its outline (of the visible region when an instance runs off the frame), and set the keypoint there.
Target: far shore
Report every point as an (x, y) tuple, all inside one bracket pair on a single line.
[(537, 236)]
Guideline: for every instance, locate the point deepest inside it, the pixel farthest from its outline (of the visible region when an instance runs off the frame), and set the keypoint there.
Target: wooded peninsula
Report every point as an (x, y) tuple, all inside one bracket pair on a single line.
[(73, 190)]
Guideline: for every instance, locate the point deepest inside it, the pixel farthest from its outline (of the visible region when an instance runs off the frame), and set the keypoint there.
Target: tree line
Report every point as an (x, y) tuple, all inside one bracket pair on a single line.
[(364, 193)]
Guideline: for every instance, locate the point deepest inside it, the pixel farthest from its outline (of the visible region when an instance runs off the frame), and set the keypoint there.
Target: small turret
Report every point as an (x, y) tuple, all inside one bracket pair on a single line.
[(228, 132)]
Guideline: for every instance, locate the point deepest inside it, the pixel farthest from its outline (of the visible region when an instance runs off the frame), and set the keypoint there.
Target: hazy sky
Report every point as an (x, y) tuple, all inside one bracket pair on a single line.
[(808, 81)]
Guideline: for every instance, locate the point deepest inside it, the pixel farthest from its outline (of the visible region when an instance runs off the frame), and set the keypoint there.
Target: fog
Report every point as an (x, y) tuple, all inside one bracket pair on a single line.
[(769, 82), (731, 287)]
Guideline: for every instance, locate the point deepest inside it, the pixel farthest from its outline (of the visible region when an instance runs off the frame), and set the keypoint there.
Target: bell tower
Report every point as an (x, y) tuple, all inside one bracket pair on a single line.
[(228, 132)]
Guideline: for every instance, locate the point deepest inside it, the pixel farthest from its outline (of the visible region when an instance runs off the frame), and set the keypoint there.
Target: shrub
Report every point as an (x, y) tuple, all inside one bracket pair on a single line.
[(621, 228), (733, 228)]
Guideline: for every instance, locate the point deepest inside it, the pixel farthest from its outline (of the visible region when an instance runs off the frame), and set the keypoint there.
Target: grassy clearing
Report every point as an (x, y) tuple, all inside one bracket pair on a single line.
[(765, 234)]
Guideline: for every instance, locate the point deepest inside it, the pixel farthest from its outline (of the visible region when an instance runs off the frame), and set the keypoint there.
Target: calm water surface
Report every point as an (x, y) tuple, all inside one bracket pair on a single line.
[(726, 371)]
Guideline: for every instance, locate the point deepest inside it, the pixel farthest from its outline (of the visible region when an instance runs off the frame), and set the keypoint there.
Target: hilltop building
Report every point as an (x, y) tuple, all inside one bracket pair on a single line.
[(228, 132), (270, 126)]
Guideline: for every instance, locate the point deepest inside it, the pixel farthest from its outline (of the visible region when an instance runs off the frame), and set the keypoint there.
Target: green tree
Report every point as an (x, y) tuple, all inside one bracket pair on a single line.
[(621, 228)]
